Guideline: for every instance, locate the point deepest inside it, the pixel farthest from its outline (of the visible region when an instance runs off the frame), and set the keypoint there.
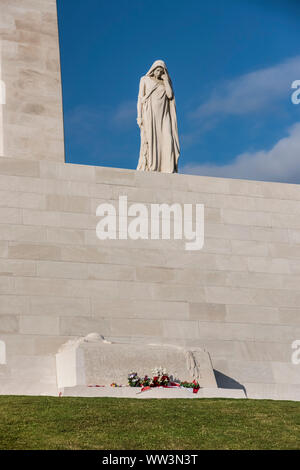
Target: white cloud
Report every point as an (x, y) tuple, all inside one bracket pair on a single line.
[(251, 92), (280, 163), (86, 120), (125, 113)]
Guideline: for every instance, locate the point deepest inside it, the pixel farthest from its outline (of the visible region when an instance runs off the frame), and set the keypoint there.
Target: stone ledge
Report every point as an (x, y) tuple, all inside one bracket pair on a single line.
[(130, 392), (129, 178)]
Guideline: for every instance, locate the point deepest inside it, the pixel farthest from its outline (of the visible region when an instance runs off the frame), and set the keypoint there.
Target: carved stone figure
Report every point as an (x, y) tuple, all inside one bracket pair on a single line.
[(157, 120)]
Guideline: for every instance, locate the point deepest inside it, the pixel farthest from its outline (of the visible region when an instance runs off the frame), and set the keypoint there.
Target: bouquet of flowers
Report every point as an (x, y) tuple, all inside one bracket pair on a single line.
[(134, 380), (194, 385), (146, 381), (160, 378)]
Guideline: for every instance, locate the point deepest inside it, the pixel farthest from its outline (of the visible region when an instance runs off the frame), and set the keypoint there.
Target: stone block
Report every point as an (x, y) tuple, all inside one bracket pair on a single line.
[(61, 270), (64, 236), (152, 274), (283, 206), (40, 218), (231, 262), (17, 268), (18, 344), (289, 316), (47, 345), (206, 184), (26, 233), (135, 327), (43, 287), (76, 326), (9, 324), (200, 277), (115, 176), (261, 219), (9, 199), (180, 329), (273, 391), (279, 298), (227, 231), (10, 215), (271, 234), (249, 248), (284, 221), (32, 201), (254, 280), (286, 373), (145, 309), (39, 325), (269, 265), (33, 367), (33, 251), (48, 169), (56, 202), (94, 360), (182, 292), (216, 245), (3, 249), (224, 295), (13, 304), (252, 314), (294, 236), (280, 191), (59, 306), (252, 372), (5, 235), (111, 272), (284, 250), (75, 172), (11, 166), (207, 312), (6, 285), (233, 202), (246, 187)]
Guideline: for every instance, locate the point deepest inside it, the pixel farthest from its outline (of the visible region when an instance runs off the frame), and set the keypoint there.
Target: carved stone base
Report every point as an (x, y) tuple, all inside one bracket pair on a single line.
[(94, 361)]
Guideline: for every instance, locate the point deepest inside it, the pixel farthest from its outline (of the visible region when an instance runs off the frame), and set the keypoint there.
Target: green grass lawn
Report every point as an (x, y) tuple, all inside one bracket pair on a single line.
[(120, 423)]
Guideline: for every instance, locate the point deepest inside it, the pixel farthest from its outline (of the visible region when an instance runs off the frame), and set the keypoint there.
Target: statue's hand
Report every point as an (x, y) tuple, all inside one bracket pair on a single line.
[(139, 122), (165, 77)]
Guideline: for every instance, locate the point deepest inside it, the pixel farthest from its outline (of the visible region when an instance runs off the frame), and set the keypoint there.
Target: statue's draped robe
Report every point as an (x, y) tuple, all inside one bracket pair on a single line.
[(159, 134)]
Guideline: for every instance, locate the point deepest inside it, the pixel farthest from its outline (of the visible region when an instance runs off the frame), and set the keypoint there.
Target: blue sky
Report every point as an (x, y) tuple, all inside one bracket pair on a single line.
[(232, 63)]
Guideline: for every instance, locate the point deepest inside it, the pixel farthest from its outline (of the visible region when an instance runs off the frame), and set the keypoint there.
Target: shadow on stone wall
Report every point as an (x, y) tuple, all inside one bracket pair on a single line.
[(223, 381)]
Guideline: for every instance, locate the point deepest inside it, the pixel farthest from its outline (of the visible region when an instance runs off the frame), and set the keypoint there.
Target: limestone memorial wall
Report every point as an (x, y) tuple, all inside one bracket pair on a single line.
[(238, 297)]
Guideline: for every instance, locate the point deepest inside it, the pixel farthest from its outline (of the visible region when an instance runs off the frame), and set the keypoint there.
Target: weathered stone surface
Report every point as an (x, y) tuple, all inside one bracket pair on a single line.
[(128, 392), (238, 297), (93, 360), (30, 68)]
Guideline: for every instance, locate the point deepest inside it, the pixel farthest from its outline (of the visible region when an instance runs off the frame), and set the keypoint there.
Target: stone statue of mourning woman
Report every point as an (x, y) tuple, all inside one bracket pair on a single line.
[(157, 120)]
